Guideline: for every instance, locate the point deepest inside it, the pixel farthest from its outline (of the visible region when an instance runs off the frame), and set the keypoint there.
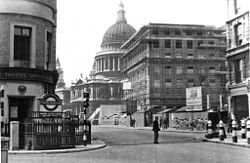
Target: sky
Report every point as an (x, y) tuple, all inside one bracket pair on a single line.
[(81, 25)]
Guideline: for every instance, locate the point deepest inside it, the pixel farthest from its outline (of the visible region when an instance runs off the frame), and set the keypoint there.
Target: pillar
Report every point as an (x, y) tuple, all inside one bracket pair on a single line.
[(111, 92), (118, 63), (14, 135), (109, 68)]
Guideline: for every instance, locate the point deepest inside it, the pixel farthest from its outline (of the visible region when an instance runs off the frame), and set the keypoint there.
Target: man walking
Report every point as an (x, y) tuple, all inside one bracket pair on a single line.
[(156, 129)]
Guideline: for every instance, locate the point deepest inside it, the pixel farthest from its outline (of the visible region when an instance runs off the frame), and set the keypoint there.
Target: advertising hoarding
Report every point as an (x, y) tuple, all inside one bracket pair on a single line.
[(194, 99)]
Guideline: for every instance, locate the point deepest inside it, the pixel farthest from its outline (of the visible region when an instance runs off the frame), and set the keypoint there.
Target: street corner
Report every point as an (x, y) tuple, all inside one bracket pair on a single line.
[(96, 144)]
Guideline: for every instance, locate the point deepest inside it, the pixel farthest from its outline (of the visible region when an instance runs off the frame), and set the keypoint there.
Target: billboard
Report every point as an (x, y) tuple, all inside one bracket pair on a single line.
[(194, 99)]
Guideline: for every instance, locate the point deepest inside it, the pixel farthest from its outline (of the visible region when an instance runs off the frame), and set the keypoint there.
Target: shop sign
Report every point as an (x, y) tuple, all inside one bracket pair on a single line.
[(51, 101)]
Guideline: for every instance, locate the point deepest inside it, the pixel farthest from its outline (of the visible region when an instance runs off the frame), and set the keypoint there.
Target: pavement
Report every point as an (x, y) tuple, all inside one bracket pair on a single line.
[(97, 144)]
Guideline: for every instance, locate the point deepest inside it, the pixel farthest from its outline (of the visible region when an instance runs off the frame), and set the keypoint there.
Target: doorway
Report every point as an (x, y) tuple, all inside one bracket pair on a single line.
[(19, 108)]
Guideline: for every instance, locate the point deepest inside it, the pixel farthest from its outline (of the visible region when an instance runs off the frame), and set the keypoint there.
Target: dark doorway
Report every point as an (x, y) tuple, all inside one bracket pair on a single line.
[(19, 108)]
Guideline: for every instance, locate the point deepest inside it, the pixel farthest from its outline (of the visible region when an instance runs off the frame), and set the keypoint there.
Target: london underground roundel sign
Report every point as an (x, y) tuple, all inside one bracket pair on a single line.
[(51, 101)]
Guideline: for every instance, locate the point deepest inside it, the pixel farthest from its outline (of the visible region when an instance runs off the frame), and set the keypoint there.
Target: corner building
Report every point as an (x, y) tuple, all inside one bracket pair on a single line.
[(237, 55), (162, 60), (27, 55)]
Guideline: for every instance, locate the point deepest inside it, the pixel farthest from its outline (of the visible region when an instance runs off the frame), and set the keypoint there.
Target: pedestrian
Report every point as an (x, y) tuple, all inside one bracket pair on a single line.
[(156, 129)]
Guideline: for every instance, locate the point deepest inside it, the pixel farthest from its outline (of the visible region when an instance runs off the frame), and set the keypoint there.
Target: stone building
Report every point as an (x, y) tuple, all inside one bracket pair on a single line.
[(27, 55), (105, 84), (237, 54), (162, 60)]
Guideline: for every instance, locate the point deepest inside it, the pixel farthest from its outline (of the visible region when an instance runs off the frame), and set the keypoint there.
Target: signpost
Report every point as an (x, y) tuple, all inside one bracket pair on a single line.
[(51, 101)]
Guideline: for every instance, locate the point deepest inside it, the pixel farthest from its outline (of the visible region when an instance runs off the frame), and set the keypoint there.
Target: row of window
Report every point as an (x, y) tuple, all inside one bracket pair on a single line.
[(179, 44), (189, 55), (180, 69), (178, 32), (179, 83)]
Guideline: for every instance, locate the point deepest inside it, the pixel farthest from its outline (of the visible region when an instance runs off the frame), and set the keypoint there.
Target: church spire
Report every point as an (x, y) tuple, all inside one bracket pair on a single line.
[(121, 14)]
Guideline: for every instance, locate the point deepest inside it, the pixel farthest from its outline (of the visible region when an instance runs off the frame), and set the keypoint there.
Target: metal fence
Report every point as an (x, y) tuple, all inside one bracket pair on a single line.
[(50, 135)]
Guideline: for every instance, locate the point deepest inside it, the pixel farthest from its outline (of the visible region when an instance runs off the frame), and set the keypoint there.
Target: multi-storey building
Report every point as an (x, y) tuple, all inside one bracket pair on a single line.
[(237, 54), (27, 55), (164, 59), (105, 84)]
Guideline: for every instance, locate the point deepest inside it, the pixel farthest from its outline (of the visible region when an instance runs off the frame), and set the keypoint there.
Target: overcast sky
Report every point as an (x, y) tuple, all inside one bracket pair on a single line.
[(81, 24)]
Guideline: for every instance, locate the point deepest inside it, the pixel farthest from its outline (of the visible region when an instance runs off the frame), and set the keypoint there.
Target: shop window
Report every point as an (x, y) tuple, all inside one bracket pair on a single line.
[(22, 43)]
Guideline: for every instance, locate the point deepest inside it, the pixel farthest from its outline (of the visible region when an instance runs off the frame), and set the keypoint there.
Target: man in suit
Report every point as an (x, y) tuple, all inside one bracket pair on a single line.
[(156, 129)]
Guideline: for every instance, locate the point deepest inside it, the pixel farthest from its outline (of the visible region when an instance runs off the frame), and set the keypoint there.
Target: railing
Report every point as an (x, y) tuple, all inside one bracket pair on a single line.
[(50, 135)]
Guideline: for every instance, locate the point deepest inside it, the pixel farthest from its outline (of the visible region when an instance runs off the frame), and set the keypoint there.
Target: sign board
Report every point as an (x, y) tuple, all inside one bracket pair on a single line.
[(51, 101), (193, 99), (126, 85)]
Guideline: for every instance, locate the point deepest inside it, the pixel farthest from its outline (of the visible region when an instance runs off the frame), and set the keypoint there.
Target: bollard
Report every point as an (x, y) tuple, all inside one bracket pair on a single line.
[(209, 129), (248, 131), (221, 131), (234, 131), (243, 128)]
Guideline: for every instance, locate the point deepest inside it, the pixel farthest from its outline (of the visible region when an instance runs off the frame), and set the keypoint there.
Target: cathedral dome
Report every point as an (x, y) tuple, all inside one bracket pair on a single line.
[(119, 32)]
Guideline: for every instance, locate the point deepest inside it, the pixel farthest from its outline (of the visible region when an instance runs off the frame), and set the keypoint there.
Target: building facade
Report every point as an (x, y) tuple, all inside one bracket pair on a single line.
[(162, 60), (105, 84), (237, 54), (27, 55)]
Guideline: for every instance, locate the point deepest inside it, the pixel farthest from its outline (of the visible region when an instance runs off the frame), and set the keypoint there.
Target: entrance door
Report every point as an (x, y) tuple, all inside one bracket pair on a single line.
[(18, 108)]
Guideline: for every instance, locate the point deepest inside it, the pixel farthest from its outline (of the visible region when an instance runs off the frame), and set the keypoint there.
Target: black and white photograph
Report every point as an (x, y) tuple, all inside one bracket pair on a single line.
[(125, 81)]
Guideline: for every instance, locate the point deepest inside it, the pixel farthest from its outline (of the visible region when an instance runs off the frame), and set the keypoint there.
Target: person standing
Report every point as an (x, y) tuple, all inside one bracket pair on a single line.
[(156, 129)]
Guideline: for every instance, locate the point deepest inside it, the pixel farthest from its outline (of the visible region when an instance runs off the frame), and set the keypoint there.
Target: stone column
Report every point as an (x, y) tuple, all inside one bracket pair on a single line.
[(118, 63), (91, 93), (109, 67), (104, 64), (111, 92), (14, 135)]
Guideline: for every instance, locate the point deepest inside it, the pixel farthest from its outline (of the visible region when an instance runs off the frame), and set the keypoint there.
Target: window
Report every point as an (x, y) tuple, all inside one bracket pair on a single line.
[(157, 84), (199, 33), (238, 34), (178, 55), (190, 82), (167, 32), (239, 69), (155, 32), (190, 69), (189, 44), (211, 42), (189, 32), (157, 70), (167, 55), (179, 83), (22, 42), (200, 56), (190, 56), (212, 69), (211, 55), (177, 32), (167, 43), (155, 44), (48, 48), (199, 43), (178, 70), (168, 83), (212, 82), (178, 44), (168, 70)]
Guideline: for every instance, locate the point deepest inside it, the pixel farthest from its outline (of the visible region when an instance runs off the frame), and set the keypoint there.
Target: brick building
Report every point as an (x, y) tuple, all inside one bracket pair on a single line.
[(27, 55), (164, 59)]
